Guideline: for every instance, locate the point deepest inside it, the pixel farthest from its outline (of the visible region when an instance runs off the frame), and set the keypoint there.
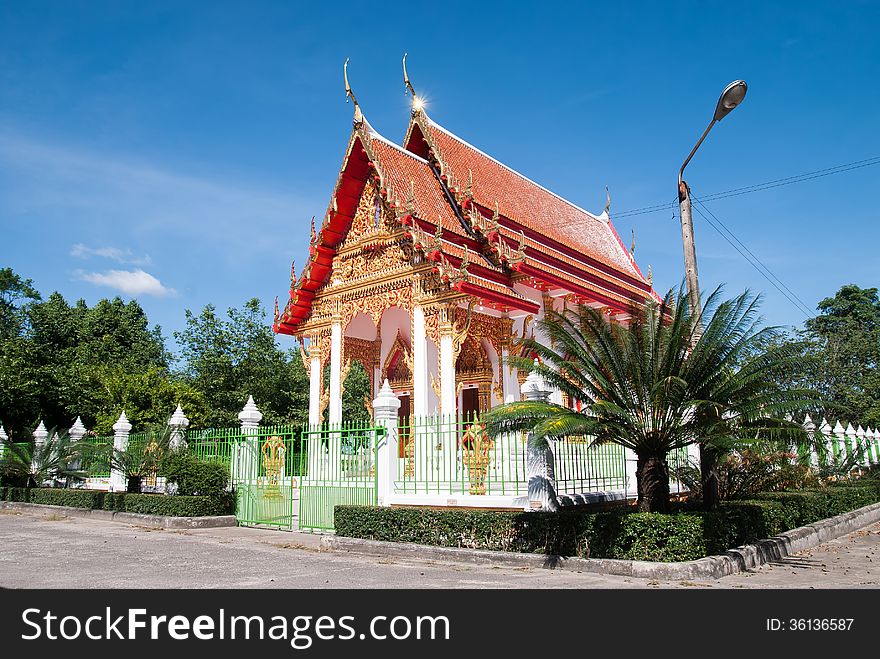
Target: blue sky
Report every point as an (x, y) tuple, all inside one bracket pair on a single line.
[(175, 152)]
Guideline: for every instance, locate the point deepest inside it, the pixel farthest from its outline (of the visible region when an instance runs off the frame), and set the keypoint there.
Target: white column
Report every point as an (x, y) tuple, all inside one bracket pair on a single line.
[(385, 408), (825, 429), (76, 433), (860, 446), (507, 379), (246, 458), (839, 439), (178, 424), (314, 387), (810, 428), (335, 414), (540, 464), (3, 439), (420, 364), (851, 442), (447, 377), (40, 436), (121, 429)]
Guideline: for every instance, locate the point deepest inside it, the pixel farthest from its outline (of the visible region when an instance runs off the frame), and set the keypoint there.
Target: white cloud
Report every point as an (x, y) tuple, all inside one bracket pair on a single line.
[(114, 253), (132, 282), (145, 203)]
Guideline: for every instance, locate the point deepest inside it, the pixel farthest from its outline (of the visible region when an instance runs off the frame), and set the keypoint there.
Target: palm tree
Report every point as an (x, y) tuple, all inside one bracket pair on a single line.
[(138, 461), (48, 463), (659, 382)]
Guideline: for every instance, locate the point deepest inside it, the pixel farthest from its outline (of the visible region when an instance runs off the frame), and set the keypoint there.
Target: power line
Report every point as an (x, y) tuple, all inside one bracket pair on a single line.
[(758, 187), (754, 261)]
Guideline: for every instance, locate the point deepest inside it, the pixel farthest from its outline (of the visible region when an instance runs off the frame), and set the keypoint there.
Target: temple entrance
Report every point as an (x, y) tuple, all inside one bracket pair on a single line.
[(470, 403)]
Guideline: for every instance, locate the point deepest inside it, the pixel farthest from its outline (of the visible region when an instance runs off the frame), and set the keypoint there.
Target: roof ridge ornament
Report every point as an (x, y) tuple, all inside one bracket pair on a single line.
[(417, 103), (358, 115)]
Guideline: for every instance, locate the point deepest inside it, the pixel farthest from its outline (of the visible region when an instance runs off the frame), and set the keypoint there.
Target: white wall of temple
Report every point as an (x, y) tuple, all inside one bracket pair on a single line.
[(361, 327)]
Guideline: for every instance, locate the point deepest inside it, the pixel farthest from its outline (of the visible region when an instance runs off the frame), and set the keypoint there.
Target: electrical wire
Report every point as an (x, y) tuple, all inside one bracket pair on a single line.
[(758, 187), (754, 261)]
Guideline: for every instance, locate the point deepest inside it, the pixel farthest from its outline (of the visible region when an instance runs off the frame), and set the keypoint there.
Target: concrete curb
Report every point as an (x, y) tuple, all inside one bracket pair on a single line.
[(734, 560), (152, 521)]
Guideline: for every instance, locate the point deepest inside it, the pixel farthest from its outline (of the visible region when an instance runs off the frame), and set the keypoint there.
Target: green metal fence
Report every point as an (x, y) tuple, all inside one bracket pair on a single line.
[(264, 464), (338, 466), (95, 456), (583, 466), (444, 455)]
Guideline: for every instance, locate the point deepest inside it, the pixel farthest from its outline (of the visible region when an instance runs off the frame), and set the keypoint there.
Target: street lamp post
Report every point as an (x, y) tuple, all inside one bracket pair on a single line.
[(732, 96)]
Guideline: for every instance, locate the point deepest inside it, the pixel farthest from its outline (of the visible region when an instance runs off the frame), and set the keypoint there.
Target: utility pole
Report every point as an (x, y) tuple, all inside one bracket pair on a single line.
[(690, 249), (732, 96)]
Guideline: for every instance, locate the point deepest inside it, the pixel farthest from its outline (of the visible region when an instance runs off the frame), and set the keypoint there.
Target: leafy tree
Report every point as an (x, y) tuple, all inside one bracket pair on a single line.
[(355, 393), (14, 291), (658, 383), (228, 360), (845, 346), (68, 350), (148, 398)]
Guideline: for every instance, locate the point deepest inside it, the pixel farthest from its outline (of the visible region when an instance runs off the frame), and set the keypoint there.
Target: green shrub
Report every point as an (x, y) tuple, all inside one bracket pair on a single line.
[(194, 477), (648, 536), (173, 505), (114, 501), (622, 534), (21, 494), (75, 498), (737, 523)]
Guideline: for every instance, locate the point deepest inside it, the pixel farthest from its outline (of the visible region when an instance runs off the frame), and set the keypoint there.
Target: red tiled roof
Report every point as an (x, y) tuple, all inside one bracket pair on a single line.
[(400, 167), (529, 204)]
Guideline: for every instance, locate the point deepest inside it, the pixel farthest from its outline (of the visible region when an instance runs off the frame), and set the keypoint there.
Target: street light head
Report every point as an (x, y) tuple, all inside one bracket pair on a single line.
[(732, 96)]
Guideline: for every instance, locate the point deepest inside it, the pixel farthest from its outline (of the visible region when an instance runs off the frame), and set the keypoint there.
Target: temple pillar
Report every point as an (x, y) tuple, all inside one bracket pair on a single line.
[(420, 363), (335, 411), (314, 382), (447, 363), (508, 378)]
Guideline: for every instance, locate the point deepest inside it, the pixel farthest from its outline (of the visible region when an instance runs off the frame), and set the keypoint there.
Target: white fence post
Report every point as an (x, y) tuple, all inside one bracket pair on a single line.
[(121, 430), (246, 456), (875, 456), (40, 437), (540, 464), (76, 433), (860, 446), (385, 409), (839, 439), (851, 441), (3, 438), (810, 428), (178, 424)]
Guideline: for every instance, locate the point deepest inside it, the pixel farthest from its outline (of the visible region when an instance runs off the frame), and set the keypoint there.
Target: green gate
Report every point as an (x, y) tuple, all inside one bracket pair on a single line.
[(265, 465), (338, 467)]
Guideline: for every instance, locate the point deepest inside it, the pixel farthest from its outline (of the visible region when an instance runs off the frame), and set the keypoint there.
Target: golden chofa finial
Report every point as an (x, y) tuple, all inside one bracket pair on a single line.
[(417, 103), (358, 115)]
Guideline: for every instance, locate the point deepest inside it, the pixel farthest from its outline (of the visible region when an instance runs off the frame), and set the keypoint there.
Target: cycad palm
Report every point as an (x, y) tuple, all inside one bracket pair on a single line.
[(660, 382)]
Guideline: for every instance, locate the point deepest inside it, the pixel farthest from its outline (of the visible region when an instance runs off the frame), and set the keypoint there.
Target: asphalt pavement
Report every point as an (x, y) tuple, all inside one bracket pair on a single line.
[(52, 551)]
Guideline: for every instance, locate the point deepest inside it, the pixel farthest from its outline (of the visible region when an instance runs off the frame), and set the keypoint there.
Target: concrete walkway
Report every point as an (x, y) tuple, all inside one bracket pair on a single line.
[(49, 551)]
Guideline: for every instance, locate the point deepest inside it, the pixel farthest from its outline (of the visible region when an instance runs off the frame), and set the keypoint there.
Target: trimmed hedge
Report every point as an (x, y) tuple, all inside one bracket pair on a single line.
[(67, 497), (622, 534), (146, 504)]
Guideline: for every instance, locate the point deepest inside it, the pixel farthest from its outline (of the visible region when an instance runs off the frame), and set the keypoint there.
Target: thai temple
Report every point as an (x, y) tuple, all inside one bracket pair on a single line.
[(433, 262)]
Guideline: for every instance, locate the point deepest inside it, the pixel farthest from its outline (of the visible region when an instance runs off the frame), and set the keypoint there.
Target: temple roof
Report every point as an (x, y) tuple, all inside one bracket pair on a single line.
[(534, 236), (558, 224)]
